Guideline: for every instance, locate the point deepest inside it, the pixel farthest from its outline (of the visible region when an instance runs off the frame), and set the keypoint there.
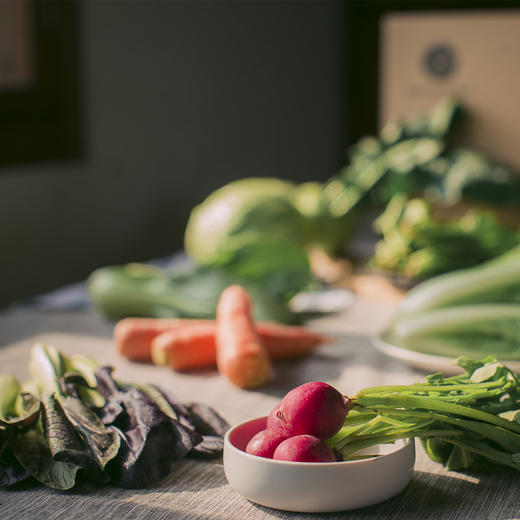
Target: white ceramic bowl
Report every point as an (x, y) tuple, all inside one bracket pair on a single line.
[(315, 487)]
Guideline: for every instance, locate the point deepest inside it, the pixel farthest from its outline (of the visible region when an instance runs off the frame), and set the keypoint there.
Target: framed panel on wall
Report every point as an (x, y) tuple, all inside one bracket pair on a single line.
[(39, 81), (378, 29)]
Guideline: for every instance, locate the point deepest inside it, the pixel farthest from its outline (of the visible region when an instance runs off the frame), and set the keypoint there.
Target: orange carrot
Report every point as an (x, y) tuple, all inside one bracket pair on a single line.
[(133, 336), (288, 341), (185, 348), (192, 346), (241, 355)]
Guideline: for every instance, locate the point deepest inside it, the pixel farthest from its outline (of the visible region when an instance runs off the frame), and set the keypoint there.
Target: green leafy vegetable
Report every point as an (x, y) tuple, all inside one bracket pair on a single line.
[(211, 426), (142, 290), (17, 408), (103, 443), (495, 281), (74, 431), (85, 425), (465, 330), (466, 174), (32, 452), (239, 213), (459, 419), (439, 121), (364, 176), (472, 312), (64, 443), (418, 244), (415, 158)]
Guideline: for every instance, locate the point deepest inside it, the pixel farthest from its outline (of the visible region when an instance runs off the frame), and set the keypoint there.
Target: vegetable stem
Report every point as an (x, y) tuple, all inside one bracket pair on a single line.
[(460, 418)]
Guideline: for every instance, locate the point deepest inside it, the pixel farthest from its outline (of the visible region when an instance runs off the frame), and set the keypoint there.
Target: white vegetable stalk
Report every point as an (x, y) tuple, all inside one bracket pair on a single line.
[(451, 319), (462, 286)]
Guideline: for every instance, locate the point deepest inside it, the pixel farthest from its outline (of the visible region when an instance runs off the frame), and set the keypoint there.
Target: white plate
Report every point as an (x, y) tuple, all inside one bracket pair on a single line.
[(427, 362), (315, 487)]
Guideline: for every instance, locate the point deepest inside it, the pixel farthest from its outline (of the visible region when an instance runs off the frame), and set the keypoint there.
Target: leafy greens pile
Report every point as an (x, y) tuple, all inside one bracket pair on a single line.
[(268, 211), (460, 420), (447, 209), (412, 167), (259, 232), (73, 422), (420, 240)]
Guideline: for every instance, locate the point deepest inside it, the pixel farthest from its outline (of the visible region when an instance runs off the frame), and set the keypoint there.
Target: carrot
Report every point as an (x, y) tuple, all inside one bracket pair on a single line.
[(241, 355), (288, 341), (133, 336), (192, 346), (185, 348)]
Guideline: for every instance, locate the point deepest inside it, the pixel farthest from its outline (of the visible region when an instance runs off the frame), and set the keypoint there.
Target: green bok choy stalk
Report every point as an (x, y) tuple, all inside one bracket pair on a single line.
[(463, 330), (270, 273), (460, 419), (473, 312), (494, 281)]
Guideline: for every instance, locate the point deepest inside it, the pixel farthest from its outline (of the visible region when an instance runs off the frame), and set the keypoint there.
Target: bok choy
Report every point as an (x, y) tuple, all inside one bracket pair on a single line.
[(494, 281), (472, 312), (464, 330)]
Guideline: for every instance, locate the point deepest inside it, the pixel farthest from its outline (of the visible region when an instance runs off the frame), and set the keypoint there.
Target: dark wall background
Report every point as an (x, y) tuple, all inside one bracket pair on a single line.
[(176, 99)]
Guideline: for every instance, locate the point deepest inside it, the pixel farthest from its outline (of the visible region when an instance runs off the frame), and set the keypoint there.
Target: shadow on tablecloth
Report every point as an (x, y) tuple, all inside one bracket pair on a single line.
[(434, 496)]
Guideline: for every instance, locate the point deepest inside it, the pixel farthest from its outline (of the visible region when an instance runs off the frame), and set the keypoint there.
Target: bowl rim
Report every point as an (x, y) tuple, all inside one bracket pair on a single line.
[(406, 442)]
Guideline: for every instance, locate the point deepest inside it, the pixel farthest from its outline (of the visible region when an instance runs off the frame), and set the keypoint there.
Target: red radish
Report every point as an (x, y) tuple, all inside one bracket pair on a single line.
[(241, 355), (304, 448), (315, 408), (273, 421), (265, 442)]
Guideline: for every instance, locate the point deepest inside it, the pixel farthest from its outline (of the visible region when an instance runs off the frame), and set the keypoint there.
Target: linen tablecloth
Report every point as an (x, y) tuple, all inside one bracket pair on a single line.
[(199, 490)]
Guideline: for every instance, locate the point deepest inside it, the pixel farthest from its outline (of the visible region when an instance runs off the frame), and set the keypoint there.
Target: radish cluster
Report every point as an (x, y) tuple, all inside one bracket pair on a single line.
[(297, 428)]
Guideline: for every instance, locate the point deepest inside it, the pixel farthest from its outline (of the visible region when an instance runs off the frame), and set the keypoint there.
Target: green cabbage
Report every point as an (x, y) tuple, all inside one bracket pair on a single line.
[(239, 214)]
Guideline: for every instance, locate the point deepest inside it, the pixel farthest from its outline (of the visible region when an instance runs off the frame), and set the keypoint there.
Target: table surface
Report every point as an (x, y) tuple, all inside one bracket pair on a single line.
[(199, 490)]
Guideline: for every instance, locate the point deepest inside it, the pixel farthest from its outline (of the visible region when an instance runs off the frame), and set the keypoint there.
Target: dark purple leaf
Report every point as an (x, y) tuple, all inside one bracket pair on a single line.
[(11, 471), (206, 420), (151, 438), (211, 447)]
